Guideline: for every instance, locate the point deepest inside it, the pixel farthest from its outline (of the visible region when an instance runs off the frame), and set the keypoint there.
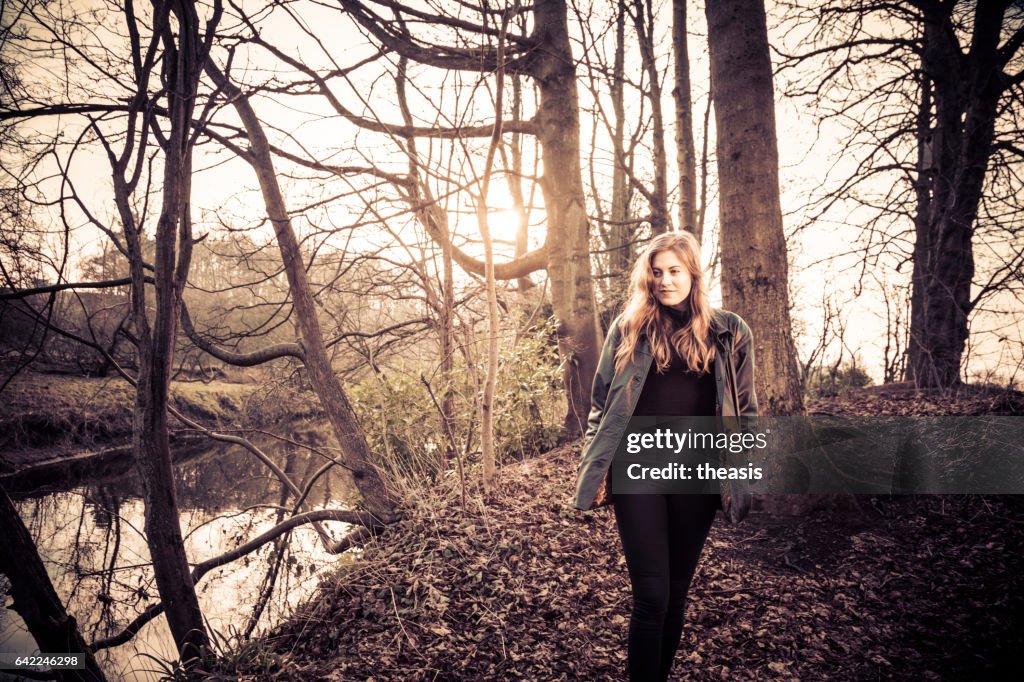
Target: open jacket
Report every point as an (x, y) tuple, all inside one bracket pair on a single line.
[(611, 409)]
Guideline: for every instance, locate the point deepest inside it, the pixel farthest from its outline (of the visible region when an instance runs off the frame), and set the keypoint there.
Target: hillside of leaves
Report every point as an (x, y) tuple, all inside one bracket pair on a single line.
[(525, 587)]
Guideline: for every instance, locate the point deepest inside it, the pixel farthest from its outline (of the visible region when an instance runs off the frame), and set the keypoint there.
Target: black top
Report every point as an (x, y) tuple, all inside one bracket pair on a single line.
[(679, 391)]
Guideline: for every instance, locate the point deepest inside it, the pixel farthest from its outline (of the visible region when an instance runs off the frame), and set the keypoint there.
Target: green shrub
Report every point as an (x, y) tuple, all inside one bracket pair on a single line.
[(529, 400), (403, 425)]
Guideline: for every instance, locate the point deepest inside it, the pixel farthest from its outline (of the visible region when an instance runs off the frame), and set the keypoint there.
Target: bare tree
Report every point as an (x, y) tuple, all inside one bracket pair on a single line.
[(484, 183), (930, 95), (622, 228), (965, 89), (314, 352), (897, 313), (183, 56), (149, 136), (624, 82), (615, 225)]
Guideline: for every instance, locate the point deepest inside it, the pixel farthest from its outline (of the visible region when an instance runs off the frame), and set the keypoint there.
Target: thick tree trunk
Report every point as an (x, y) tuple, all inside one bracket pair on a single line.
[(572, 289), (356, 451), (685, 153), (755, 274), (966, 92), (36, 601)]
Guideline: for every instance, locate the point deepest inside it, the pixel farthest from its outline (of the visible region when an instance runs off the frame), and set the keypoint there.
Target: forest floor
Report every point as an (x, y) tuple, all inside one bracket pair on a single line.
[(45, 417), (526, 587)]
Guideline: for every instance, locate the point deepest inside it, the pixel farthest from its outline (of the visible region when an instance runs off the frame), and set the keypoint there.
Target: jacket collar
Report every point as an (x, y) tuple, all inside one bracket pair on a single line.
[(720, 324)]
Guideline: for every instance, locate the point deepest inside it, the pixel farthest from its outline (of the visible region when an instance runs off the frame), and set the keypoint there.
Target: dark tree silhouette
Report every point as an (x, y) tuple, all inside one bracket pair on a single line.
[(930, 93)]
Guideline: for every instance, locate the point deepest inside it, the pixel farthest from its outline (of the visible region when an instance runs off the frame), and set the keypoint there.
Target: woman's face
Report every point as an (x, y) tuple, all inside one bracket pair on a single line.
[(672, 280)]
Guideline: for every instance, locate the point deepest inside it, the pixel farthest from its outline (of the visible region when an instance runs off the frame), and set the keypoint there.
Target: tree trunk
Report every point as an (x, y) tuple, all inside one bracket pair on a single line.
[(357, 455), (182, 69), (644, 24), (685, 152), (515, 187), (966, 92), (620, 246), (922, 245), (755, 274), (487, 402), (572, 289), (36, 601)]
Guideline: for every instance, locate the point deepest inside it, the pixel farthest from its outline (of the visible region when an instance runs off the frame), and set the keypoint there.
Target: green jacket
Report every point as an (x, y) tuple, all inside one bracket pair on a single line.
[(610, 410)]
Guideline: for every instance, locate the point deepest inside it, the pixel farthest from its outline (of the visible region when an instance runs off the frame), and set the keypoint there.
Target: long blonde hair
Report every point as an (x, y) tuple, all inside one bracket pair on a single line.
[(643, 314)]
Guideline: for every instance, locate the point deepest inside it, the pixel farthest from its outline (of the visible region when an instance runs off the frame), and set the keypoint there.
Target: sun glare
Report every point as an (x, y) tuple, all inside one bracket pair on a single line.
[(504, 223)]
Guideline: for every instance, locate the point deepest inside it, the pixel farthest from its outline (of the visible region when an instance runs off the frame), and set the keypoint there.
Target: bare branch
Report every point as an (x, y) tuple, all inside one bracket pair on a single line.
[(257, 357), (106, 284), (396, 39), (363, 519), (526, 127), (63, 109)]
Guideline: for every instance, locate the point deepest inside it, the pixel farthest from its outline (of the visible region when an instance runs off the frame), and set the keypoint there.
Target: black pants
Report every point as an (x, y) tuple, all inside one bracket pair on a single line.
[(662, 536)]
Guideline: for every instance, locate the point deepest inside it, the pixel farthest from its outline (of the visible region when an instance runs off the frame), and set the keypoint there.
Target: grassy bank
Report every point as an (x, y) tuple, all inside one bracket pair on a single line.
[(524, 587), (46, 414)]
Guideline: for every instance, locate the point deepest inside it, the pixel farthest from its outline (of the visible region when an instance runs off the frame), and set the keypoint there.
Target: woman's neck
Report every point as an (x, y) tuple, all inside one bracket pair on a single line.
[(679, 313)]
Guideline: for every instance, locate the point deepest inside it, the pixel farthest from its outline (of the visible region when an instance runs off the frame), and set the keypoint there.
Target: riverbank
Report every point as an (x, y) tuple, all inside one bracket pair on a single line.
[(87, 522), (525, 587), (49, 418)]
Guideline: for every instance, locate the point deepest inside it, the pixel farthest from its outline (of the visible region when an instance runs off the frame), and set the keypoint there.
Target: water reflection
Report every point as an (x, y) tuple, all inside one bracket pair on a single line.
[(90, 538)]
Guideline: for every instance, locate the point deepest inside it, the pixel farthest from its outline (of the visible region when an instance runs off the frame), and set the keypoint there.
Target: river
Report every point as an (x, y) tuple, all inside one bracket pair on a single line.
[(89, 534)]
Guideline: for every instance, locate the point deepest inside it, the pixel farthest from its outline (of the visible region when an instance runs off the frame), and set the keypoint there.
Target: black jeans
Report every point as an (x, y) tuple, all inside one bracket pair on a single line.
[(662, 537)]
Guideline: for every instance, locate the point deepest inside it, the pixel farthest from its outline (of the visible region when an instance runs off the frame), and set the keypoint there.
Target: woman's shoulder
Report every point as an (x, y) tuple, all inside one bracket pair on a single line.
[(615, 326), (723, 320)]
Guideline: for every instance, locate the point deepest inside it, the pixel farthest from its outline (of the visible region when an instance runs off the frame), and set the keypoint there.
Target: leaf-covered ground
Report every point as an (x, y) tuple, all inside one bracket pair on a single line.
[(524, 587)]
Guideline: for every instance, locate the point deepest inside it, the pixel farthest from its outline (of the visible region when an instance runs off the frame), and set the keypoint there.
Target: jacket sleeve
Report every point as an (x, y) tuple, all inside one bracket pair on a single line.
[(602, 381), (743, 352)]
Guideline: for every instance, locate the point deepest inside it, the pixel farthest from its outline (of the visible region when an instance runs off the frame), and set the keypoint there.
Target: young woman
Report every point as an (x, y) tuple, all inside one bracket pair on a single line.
[(668, 354)]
